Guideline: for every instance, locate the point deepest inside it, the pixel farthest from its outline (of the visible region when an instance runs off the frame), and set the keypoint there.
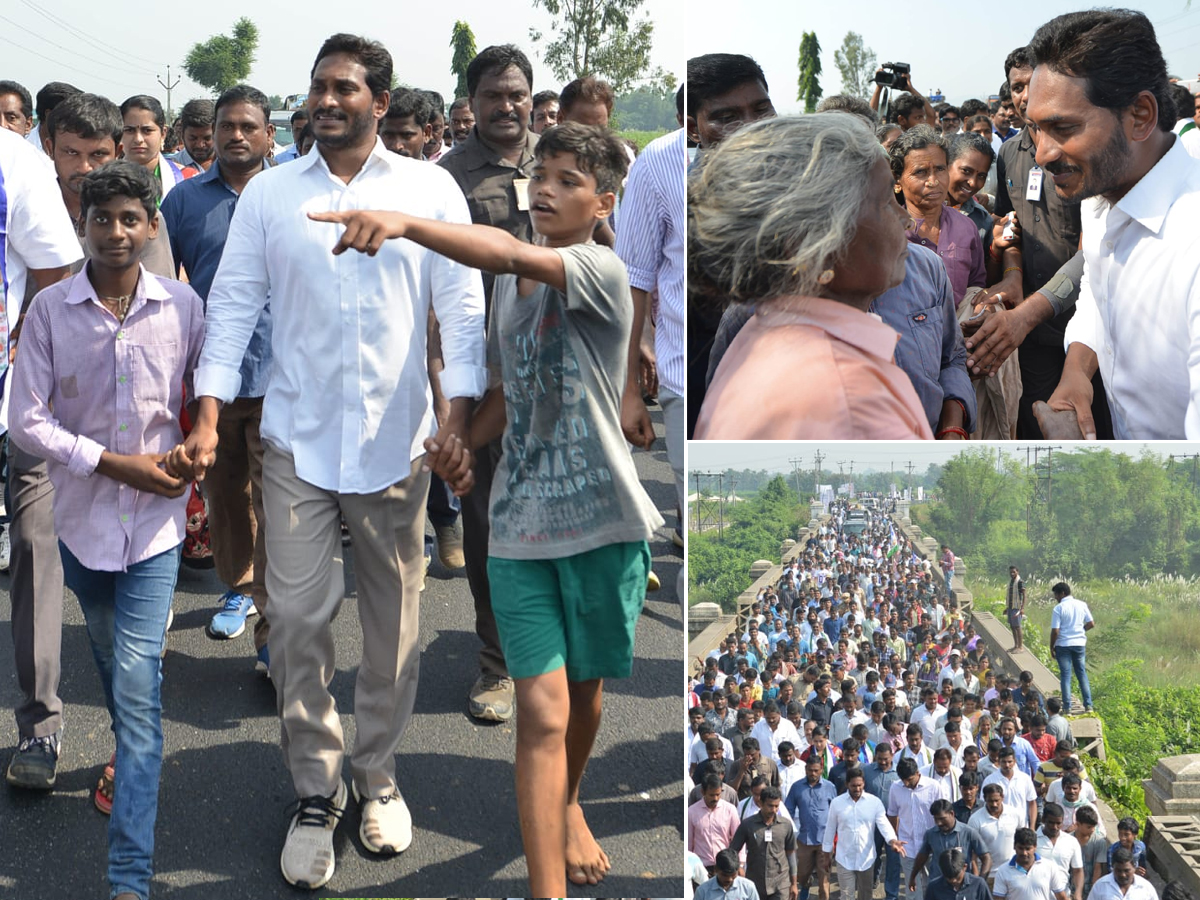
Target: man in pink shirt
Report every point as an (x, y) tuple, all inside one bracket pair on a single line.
[(712, 822)]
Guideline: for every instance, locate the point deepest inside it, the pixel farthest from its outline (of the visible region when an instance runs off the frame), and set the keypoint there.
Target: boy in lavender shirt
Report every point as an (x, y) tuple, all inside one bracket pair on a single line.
[(97, 393)]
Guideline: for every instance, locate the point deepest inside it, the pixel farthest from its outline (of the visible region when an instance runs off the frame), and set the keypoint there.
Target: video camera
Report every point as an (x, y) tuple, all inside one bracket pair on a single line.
[(892, 74)]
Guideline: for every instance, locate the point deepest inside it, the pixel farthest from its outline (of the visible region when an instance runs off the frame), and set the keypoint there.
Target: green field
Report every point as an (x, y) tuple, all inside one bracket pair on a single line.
[(641, 138)]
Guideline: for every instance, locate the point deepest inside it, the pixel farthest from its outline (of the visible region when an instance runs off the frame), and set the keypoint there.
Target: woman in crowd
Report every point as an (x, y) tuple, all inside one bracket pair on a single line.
[(795, 215), (921, 170)]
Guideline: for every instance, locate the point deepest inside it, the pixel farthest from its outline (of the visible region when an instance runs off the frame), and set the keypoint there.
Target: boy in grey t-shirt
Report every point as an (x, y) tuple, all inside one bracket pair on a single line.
[(570, 521)]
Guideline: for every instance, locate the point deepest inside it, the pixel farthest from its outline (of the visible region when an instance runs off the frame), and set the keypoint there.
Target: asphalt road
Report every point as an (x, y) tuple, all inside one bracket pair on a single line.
[(221, 819)]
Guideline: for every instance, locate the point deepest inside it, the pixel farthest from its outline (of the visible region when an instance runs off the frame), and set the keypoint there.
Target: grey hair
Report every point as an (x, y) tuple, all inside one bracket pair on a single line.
[(776, 204), (917, 138), (883, 130), (961, 144)]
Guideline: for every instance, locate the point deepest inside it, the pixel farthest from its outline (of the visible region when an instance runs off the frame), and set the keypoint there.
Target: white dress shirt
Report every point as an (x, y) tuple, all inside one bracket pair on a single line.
[(769, 741), (1018, 792), (1139, 300), (854, 824), (998, 833), (1106, 888), (349, 394)]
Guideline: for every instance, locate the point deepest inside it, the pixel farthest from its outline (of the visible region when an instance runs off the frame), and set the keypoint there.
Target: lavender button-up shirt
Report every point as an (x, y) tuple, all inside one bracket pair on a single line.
[(85, 383)]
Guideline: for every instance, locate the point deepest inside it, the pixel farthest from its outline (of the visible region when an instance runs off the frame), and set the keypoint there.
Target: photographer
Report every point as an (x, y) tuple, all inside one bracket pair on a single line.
[(907, 111)]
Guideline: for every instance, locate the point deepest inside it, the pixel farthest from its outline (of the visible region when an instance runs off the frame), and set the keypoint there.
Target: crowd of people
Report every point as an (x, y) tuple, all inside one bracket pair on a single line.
[(858, 726), (233, 332), (967, 279)]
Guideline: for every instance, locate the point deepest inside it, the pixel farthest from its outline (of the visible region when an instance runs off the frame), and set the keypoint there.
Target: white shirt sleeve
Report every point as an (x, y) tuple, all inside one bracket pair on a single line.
[(1085, 324)]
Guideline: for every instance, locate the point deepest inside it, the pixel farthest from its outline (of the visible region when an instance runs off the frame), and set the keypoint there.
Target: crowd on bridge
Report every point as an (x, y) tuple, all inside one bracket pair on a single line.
[(856, 724), (950, 270), (217, 341)]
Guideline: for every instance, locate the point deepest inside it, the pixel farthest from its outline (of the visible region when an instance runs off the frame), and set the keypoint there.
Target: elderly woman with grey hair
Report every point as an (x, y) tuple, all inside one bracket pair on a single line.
[(796, 216)]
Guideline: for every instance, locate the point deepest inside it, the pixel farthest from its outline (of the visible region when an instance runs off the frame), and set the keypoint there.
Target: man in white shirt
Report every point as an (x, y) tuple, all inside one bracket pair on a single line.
[(345, 420), (997, 824), (1020, 795), (954, 671), (1028, 876), (1140, 193), (1069, 624), (846, 718), (1123, 883), (928, 715), (853, 819), (1056, 845), (773, 729), (908, 811)]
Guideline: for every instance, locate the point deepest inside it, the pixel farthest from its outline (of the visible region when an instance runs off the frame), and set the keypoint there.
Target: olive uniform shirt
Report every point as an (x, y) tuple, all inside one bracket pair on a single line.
[(767, 859)]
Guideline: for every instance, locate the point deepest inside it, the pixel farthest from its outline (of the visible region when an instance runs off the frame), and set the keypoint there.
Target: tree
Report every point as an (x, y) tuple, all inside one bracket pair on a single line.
[(856, 64), (462, 39), (648, 108), (596, 37), (810, 67), (276, 101), (223, 60)]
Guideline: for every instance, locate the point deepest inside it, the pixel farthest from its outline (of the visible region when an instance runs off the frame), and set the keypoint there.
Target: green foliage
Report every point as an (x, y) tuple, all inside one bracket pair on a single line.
[(719, 568), (809, 88), (276, 101), (640, 138), (596, 37), (648, 108), (462, 39), (856, 64), (975, 495), (224, 60)]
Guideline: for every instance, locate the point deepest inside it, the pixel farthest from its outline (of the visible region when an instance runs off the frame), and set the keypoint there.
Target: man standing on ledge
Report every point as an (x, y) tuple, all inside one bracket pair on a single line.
[(1069, 624), (1014, 607)]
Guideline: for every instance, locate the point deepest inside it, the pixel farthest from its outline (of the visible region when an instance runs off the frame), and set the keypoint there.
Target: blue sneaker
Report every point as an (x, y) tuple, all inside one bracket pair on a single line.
[(262, 665), (231, 620)]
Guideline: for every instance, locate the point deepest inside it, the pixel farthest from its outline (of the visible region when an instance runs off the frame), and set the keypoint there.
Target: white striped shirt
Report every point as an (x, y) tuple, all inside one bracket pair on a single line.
[(650, 241)]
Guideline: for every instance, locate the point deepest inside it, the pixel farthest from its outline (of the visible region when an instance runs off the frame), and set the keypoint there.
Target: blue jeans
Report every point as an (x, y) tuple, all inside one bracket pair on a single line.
[(888, 860), (126, 614), (949, 578), (1073, 658)]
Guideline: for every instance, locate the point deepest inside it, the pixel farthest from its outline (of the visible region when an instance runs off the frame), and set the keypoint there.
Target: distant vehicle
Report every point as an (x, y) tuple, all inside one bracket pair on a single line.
[(854, 526), (282, 120), (870, 503)]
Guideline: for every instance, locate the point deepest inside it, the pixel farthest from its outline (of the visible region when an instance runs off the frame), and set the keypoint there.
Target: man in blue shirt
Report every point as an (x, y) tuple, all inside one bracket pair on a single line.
[(726, 884), (808, 803), (198, 212), (956, 883)]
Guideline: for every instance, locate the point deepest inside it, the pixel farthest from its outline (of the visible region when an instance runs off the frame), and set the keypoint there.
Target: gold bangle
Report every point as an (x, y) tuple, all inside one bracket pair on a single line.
[(1011, 269)]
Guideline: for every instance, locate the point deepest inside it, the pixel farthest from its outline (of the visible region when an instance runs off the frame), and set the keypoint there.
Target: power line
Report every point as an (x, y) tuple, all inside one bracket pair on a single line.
[(63, 65), (75, 53), (97, 43)]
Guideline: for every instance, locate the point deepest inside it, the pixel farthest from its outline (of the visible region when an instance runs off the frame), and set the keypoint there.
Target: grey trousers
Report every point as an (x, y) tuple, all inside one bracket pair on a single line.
[(475, 550), (36, 592), (675, 420), (306, 586)]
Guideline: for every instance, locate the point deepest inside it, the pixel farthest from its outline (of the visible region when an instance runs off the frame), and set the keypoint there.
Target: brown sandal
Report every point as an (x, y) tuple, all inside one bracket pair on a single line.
[(103, 797)]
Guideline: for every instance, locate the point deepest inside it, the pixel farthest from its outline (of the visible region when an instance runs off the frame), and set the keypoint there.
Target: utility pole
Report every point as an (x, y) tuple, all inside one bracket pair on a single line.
[(1195, 458), (169, 85), (795, 461), (817, 456), (910, 468)]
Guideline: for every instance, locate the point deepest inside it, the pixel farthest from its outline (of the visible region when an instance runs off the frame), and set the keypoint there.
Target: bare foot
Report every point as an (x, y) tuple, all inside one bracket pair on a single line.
[(587, 863)]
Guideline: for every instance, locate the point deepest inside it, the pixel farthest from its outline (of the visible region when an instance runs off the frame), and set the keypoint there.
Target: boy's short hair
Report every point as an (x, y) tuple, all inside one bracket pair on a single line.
[(120, 178), (87, 115), (150, 105), (407, 102), (53, 94), (597, 151)]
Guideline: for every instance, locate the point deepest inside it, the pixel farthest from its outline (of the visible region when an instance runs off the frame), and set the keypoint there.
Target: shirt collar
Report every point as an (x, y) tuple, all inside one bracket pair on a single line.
[(148, 288), (866, 331), (1149, 201), (1013, 862), (214, 173), (480, 153), (314, 158)]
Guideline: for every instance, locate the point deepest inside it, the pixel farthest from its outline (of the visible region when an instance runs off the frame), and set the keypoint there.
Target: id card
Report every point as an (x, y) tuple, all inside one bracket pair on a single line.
[(521, 185), (1033, 190), (768, 837)]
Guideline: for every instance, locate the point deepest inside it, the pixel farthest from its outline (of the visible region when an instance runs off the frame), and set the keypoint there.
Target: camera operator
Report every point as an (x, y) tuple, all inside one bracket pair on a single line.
[(908, 110)]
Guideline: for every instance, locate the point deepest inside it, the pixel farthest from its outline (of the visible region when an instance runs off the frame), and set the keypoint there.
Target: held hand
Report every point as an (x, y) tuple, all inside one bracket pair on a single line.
[(366, 230), (635, 420), (196, 455), (999, 335), (649, 370), (999, 241), (1058, 425), (145, 472), (1074, 392), (449, 456)]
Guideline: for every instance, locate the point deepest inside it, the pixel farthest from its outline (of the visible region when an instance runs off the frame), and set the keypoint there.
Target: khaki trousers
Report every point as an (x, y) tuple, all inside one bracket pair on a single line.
[(304, 576), (233, 489)]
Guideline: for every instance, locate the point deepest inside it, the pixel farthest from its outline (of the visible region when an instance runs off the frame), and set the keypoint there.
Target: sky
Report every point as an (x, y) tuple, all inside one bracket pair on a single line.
[(36, 50), (955, 46), (879, 456)]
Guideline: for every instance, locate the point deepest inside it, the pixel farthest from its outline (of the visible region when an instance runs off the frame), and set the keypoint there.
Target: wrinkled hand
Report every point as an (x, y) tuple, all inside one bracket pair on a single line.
[(999, 242), (1074, 392), (146, 472), (1058, 425), (366, 230), (193, 458), (997, 337)]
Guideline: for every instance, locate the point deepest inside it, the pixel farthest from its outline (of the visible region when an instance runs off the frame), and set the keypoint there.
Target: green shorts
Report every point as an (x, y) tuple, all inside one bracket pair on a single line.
[(576, 611)]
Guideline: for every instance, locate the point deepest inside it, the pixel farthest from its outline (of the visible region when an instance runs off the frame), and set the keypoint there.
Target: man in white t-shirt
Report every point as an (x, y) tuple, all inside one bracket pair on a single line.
[(1122, 883), (1069, 624), (1058, 846), (996, 824), (1020, 795), (1028, 876)]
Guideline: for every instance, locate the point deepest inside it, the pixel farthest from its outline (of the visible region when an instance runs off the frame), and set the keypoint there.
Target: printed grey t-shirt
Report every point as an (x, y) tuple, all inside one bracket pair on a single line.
[(566, 483)]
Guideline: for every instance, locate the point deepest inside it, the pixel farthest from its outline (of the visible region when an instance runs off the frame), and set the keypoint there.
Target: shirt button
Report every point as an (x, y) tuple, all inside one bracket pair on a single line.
[(120, 335), (1108, 244), (122, 427), (124, 518), (121, 379)]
